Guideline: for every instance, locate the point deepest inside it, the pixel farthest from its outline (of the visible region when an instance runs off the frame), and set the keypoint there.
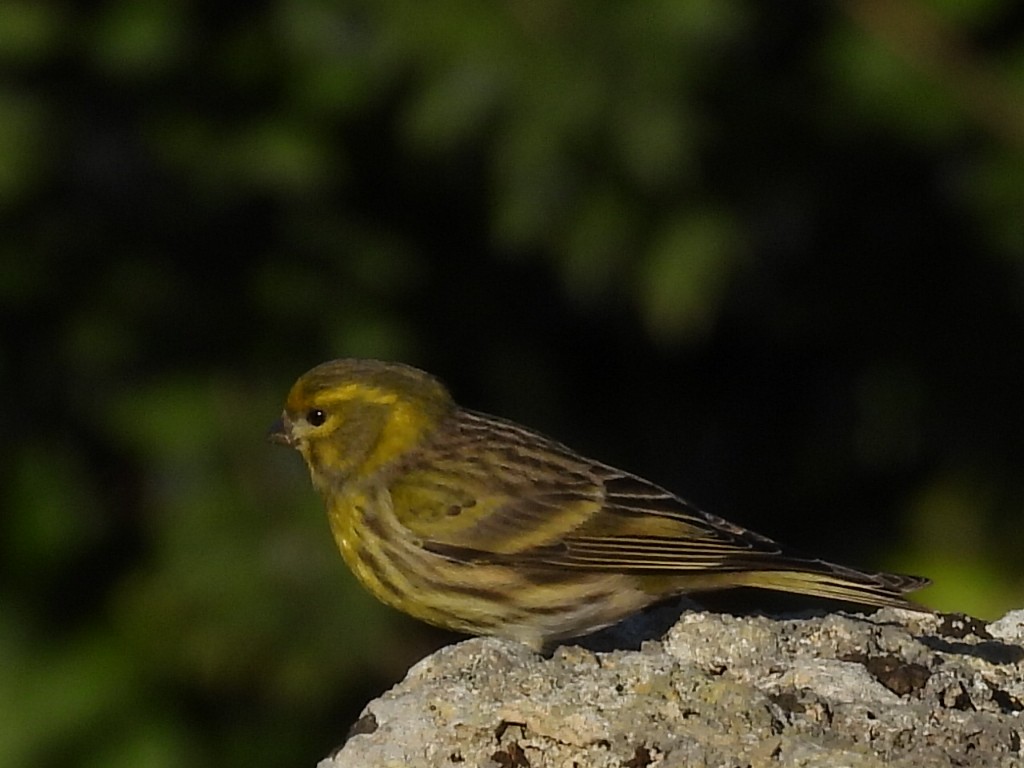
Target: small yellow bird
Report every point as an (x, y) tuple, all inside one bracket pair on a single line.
[(476, 524)]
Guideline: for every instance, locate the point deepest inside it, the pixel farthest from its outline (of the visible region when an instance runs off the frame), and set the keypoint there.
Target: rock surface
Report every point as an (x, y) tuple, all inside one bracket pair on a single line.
[(894, 689)]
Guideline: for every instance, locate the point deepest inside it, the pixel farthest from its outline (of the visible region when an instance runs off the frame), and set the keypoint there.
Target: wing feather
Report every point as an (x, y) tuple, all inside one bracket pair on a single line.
[(527, 500)]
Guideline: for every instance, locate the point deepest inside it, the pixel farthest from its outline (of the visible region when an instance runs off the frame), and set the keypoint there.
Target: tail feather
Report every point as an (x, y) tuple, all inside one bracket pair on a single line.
[(837, 583)]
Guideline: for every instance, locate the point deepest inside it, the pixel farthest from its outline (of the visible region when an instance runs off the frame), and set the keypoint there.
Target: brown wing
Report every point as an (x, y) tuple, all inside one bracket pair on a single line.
[(491, 491), (490, 488)]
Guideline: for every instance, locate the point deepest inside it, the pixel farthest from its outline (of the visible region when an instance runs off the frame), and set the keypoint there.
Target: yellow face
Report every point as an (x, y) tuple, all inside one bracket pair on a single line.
[(350, 418)]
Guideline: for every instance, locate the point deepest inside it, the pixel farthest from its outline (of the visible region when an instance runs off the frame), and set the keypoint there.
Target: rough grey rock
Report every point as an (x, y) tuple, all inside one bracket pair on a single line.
[(895, 689)]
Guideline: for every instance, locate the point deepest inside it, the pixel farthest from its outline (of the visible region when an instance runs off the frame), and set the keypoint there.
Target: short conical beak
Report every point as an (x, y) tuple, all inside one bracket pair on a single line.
[(281, 432)]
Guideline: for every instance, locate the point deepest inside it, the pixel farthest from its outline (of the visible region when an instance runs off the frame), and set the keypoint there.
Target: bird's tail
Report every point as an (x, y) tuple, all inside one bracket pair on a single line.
[(822, 579)]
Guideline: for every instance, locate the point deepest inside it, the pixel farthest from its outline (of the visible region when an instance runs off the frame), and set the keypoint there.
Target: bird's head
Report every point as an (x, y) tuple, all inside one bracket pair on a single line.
[(348, 418)]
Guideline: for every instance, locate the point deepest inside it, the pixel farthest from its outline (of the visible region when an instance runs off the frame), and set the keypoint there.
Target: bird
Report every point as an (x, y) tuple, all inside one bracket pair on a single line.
[(477, 524)]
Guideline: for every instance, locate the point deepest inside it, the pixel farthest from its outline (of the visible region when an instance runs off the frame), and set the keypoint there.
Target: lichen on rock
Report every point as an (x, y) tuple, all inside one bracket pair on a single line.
[(892, 689)]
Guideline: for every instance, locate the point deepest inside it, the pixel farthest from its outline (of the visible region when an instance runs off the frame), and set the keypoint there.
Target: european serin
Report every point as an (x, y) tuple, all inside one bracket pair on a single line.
[(479, 525)]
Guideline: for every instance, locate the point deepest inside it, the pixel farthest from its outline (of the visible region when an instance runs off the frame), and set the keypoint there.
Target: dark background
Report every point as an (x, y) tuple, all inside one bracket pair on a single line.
[(768, 255)]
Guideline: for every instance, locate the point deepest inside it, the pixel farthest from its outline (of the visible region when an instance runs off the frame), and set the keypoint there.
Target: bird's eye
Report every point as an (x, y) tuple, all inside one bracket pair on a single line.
[(316, 417)]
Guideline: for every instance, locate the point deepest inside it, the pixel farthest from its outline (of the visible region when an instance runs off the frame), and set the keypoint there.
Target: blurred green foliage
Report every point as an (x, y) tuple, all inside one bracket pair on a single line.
[(770, 256)]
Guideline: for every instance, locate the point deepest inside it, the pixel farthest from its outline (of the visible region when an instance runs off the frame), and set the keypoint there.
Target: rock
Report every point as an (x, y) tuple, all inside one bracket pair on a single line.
[(896, 689)]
